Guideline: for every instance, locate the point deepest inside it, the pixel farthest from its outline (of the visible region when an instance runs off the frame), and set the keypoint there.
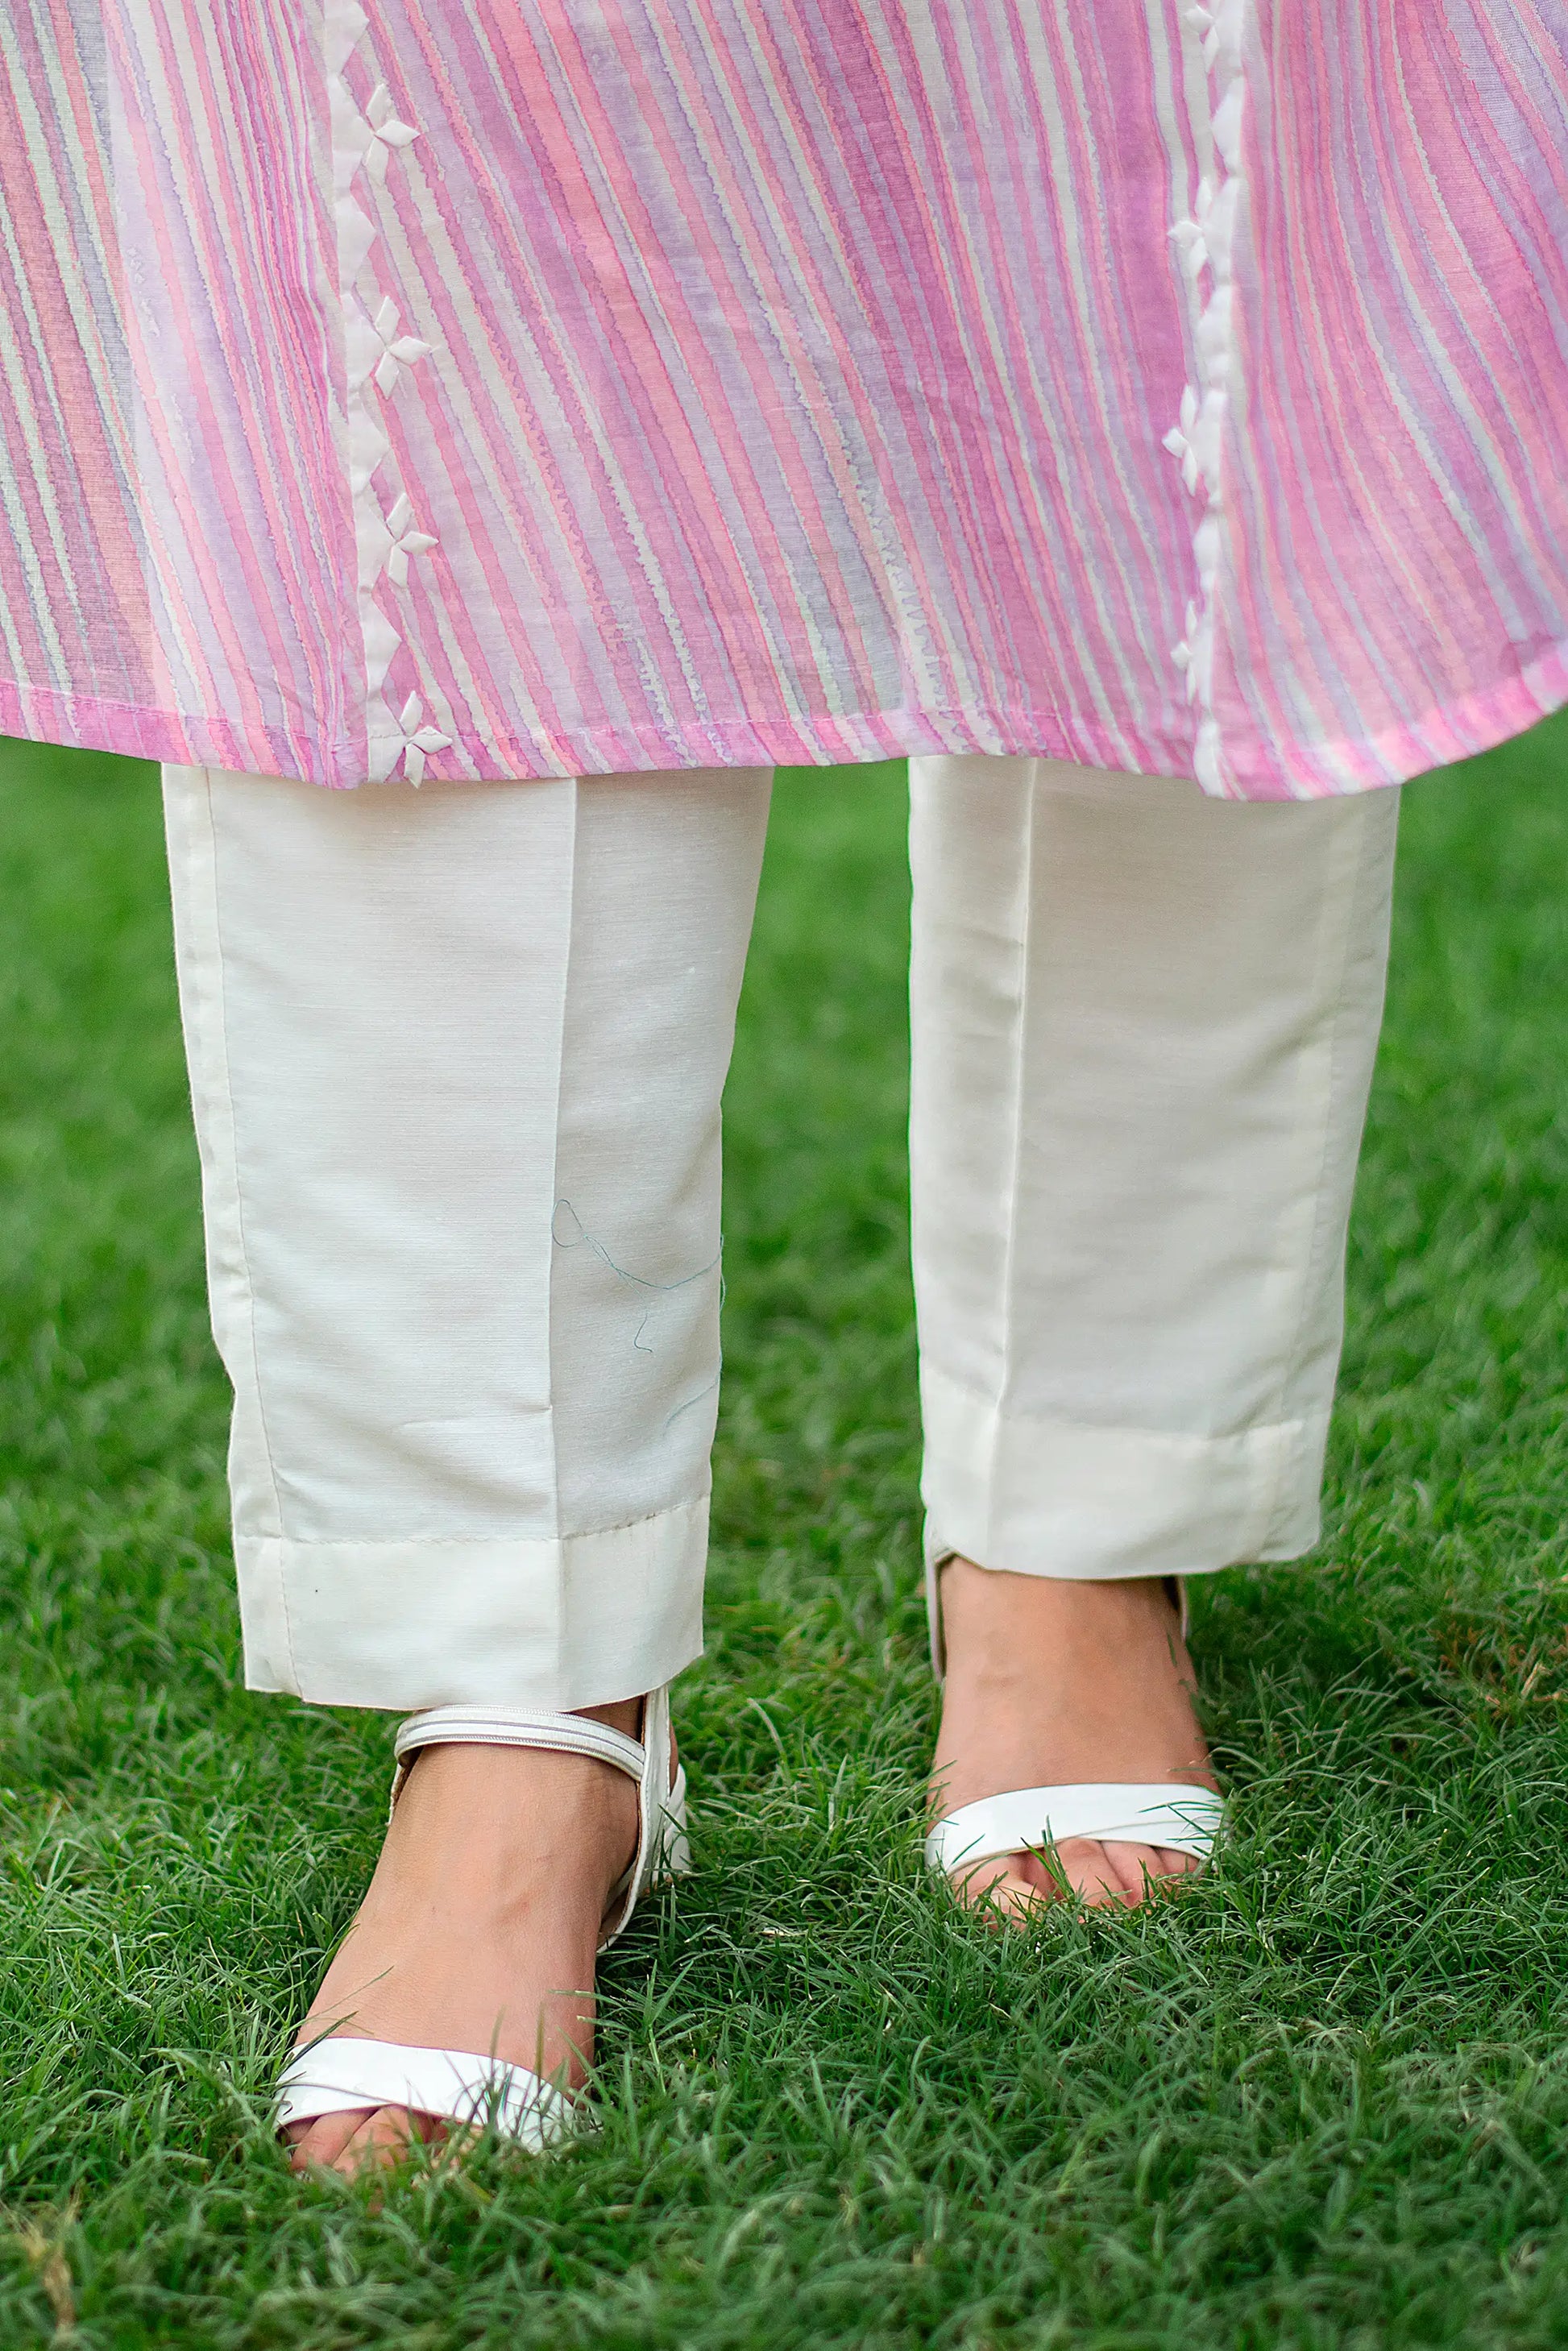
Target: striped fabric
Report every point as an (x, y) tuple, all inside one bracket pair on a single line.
[(477, 388)]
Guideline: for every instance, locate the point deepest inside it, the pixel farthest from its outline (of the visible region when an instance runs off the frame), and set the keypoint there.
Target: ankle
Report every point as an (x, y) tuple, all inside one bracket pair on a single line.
[(503, 1821), (622, 1714), (1053, 1681), (998, 1624)]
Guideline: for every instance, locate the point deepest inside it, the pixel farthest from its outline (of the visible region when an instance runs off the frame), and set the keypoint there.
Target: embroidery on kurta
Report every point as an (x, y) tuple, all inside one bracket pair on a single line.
[(784, 385), (1206, 244), (385, 539)]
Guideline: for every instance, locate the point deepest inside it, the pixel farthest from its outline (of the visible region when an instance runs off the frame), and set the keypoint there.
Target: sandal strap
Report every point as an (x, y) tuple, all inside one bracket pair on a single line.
[(336, 2076), (341, 2073), (1181, 1819), (561, 1734), (662, 1848)]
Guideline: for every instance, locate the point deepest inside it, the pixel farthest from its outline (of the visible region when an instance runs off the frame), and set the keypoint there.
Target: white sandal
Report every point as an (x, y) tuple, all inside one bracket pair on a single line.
[(336, 2073), (1170, 1814)]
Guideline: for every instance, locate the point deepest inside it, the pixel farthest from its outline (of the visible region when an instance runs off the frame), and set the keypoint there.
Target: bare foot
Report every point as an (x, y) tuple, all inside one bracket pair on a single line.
[(480, 1928), (1050, 1682)]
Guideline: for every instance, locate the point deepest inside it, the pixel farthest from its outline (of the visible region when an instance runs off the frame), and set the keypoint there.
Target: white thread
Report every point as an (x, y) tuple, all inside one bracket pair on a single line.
[(1205, 243)]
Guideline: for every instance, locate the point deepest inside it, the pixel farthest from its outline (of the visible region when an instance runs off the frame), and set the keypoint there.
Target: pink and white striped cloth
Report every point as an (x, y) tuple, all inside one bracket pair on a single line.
[(474, 387)]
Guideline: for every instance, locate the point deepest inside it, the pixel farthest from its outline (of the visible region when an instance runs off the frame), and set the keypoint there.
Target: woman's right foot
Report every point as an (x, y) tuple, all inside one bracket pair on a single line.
[(1049, 1682), (480, 1928)]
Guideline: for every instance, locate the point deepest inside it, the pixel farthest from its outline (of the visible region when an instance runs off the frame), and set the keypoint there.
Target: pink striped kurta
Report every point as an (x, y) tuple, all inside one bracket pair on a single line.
[(478, 388)]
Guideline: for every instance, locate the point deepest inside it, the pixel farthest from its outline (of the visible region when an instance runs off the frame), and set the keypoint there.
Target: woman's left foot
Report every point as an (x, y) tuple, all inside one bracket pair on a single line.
[(480, 1929), (1052, 1682)]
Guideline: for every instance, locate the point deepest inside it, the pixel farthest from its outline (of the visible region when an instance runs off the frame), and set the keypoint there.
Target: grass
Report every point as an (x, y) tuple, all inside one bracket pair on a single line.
[(1320, 2102)]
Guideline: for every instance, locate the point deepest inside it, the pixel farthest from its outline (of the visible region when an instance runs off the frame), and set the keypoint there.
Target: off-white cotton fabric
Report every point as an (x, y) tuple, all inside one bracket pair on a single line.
[(456, 1059), (1143, 1033)]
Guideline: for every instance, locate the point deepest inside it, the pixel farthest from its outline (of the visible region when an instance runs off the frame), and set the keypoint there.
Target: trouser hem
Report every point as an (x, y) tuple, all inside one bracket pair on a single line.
[(1039, 1496), (552, 1623)]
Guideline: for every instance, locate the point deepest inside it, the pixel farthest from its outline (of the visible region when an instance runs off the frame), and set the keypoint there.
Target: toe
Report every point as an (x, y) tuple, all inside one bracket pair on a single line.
[(316, 2146), (1176, 1865), (373, 2138), (1005, 1889), (1011, 1888), (390, 2137), (1114, 1875), (1101, 1877)]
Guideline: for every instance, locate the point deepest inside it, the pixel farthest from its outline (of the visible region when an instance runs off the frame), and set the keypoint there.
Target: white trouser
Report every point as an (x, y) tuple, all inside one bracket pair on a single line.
[(457, 1058)]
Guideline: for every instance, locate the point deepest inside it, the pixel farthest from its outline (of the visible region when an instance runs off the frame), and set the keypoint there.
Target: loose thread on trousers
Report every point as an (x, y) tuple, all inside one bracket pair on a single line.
[(584, 1239)]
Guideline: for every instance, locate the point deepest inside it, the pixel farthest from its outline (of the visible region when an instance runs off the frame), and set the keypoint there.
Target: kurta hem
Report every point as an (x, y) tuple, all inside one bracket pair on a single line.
[(1440, 736), (482, 389)]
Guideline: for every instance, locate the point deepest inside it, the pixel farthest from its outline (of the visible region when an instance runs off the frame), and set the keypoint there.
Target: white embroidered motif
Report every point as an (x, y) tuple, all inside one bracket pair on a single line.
[(1205, 243), (387, 133), (377, 354), (398, 351), (418, 740)]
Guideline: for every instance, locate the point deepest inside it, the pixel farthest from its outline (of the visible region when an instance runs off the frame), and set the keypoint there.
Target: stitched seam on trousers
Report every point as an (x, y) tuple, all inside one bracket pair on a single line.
[(1336, 926), (1351, 902), (1131, 1428), (1021, 1036), (475, 1542), (212, 998), (562, 1018)]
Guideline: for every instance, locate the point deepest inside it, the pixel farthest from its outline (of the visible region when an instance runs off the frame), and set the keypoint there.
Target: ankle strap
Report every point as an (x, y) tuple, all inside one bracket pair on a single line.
[(561, 1734)]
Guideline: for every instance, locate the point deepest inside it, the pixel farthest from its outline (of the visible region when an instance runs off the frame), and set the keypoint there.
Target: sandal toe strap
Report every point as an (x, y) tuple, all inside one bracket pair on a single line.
[(1172, 1815), (335, 2075)]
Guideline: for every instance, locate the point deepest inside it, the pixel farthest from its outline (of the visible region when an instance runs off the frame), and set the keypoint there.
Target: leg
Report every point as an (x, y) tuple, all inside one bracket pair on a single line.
[(1144, 1031), (457, 1058)]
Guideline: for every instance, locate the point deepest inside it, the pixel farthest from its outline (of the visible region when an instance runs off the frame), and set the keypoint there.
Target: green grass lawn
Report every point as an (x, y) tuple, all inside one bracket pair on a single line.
[(1320, 2101)]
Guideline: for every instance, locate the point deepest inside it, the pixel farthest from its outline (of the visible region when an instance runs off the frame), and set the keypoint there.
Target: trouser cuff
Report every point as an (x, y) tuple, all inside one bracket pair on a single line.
[(1038, 1496), (572, 1621)]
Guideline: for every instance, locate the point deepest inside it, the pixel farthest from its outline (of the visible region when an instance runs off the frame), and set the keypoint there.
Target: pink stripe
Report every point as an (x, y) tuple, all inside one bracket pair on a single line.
[(796, 384)]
